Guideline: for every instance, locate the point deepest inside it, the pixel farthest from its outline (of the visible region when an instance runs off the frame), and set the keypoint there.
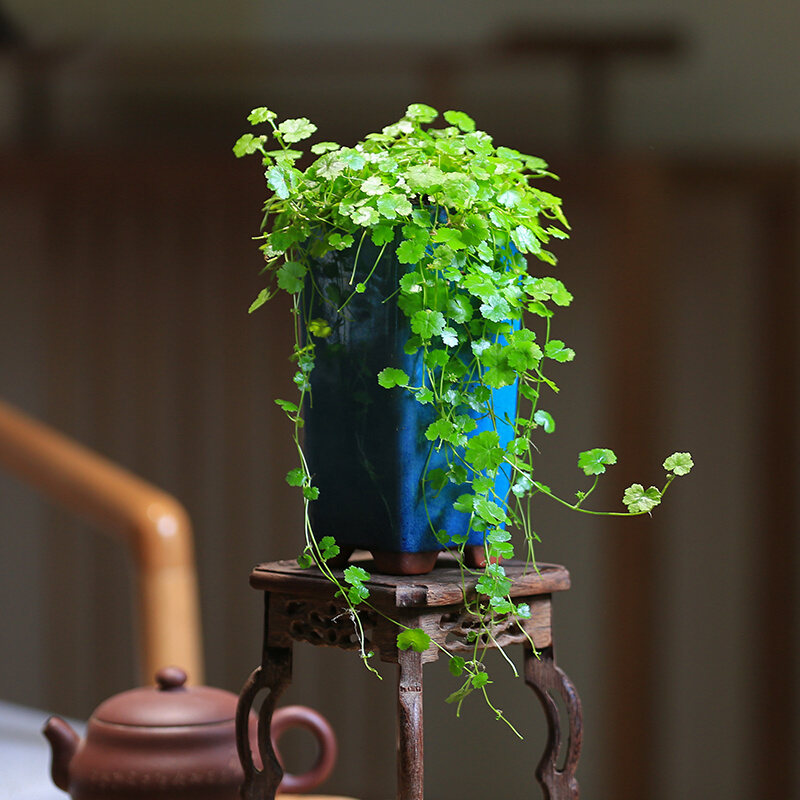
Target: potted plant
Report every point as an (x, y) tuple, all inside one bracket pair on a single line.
[(420, 276)]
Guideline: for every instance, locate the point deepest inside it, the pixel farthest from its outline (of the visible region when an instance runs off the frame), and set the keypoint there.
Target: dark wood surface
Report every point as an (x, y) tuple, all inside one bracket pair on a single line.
[(443, 586)]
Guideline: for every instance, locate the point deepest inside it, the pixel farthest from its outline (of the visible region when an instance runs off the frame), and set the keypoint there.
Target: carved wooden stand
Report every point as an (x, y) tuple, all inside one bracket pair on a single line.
[(300, 605)]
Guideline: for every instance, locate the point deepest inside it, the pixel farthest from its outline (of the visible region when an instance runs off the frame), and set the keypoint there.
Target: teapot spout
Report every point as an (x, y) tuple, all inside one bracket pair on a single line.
[(63, 744)]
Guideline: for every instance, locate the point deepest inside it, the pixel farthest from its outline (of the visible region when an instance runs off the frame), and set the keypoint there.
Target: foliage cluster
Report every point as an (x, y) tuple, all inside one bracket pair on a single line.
[(466, 217)]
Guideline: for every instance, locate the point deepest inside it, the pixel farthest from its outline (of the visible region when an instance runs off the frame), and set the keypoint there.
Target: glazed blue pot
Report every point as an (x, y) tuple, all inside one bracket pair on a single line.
[(365, 445)]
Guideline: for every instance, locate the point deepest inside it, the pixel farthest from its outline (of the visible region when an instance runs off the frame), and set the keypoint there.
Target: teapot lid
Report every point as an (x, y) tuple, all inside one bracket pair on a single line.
[(170, 703)]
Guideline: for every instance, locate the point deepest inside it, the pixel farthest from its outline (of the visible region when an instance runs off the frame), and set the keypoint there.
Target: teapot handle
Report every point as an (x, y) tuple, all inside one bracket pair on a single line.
[(264, 775), (308, 719)]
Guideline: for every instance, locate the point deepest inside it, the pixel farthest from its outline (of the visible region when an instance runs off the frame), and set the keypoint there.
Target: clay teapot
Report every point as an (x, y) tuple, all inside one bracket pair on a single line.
[(171, 741)]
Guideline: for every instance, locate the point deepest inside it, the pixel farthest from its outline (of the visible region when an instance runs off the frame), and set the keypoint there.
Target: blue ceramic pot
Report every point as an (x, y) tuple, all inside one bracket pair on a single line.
[(366, 445)]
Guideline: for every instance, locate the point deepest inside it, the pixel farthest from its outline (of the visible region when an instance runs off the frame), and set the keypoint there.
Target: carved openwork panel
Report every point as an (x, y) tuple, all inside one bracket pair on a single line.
[(316, 621), (458, 629)]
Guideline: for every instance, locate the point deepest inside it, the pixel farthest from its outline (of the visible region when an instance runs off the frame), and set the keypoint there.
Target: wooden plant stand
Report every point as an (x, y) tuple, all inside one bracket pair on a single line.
[(300, 606)]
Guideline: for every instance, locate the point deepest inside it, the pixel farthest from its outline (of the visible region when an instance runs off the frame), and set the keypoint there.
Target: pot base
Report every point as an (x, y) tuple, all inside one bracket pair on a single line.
[(388, 563), (404, 563)]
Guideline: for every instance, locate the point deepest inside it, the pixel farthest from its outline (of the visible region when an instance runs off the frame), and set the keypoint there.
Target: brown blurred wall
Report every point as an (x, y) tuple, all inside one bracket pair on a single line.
[(126, 270)]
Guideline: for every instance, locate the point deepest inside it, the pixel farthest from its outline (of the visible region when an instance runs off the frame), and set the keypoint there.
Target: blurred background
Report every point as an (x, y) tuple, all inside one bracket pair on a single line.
[(126, 272)]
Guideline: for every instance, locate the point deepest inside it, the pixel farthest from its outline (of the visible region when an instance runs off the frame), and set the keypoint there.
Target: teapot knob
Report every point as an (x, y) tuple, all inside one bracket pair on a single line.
[(170, 678)]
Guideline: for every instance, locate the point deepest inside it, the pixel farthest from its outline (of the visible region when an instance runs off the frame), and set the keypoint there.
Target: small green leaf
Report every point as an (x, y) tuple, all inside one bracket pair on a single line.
[(440, 429), (540, 309), (262, 298), (374, 185), (410, 251), (640, 500), (414, 638), (382, 234), (442, 536), (557, 350), (351, 158), (480, 679), (522, 486), (392, 205), (423, 178), (449, 337), (340, 242), (247, 144), (479, 142), (489, 511), (679, 463), (523, 611), (460, 694), (421, 112), (509, 198), (501, 605), (424, 396), (437, 478), (428, 323), (260, 114), (496, 308), (296, 477), (286, 156), (484, 451), (415, 239), (494, 582), (460, 120), (391, 377), (499, 376), (459, 309), (311, 492), (295, 130), (464, 503), (498, 535), (458, 474), (279, 180), (560, 295), (523, 354), (289, 408), (323, 147), (329, 548), (319, 328), (456, 665), (305, 561), (329, 165), (436, 358), (482, 484), (525, 240), (365, 216), (356, 574), (593, 462), (544, 419), (501, 550), (449, 236), (291, 276), (357, 594)]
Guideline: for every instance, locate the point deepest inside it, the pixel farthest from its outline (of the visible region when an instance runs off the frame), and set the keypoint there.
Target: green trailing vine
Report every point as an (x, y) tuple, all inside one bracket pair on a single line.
[(469, 222)]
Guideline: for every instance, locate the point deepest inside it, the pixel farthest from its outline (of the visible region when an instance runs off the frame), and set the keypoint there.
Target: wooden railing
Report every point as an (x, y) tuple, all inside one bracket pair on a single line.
[(151, 523)]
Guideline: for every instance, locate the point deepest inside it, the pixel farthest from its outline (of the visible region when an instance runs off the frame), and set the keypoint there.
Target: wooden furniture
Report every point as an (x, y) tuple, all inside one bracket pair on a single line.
[(152, 524), (300, 606)]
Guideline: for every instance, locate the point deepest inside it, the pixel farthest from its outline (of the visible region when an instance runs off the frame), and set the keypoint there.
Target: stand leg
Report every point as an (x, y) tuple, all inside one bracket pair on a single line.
[(409, 726), (544, 677), (274, 675)]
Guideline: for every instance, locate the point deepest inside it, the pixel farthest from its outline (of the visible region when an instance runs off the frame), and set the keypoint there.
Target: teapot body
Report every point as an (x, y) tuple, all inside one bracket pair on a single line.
[(173, 742), (176, 763)]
